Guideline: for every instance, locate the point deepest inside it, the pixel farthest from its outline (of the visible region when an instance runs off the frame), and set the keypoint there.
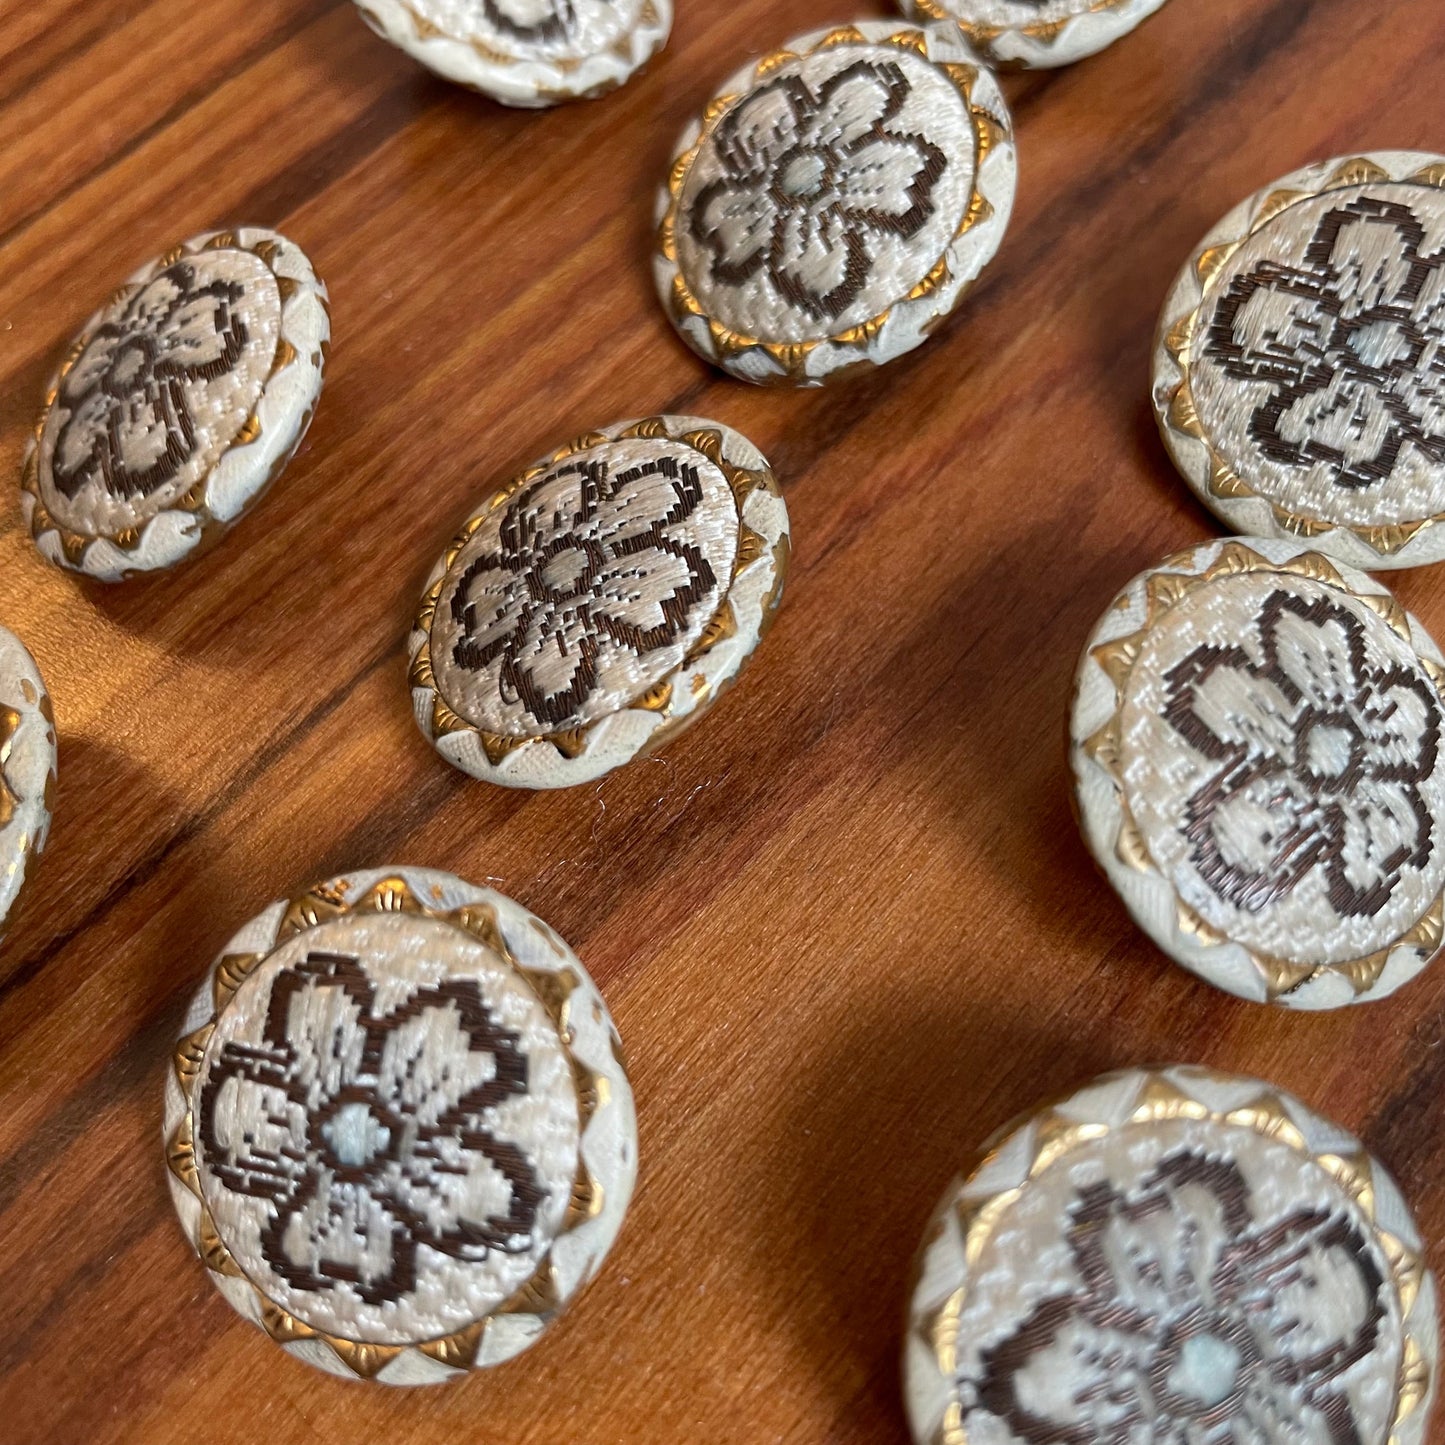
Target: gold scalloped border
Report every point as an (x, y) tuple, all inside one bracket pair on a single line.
[(1179, 414), (1163, 588), (648, 18), (985, 36), (74, 545), (1160, 1100), (540, 1296), (742, 482), (990, 131)]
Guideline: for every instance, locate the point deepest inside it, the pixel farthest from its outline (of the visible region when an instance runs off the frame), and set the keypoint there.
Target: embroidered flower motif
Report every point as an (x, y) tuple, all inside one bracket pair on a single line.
[(1191, 1326), (1352, 341), (369, 1135), (584, 560), (535, 20), (129, 422), (810, 180), (1321, 756)]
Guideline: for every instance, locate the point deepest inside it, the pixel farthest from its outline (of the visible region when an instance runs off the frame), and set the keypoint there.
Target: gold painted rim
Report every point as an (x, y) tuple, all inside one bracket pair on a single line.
[(540, 1296), (984, 36), (1177, 413), (573, 743), (1116, 658), (1160, 1099), (990, 131), (74, 545)]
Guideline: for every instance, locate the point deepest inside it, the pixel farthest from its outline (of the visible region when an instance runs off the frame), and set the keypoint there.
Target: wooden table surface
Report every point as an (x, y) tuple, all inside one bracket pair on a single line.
[(846, 925)]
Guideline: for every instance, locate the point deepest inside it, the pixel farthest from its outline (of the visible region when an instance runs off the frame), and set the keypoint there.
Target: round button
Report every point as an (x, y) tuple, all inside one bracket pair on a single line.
[(1298, 373), (526, 52), (1172, 1255), (834, 202), (182, 398), (1037, 34), (399, 1131), (599, 602), (27, 767), (1259, 771)]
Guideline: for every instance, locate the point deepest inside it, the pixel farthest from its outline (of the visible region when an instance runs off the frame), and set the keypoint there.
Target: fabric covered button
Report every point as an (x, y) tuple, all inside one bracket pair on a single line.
[(1172, 1255), (181, 400), (1299, 377), (1258, 763), (599, 602), (834, 202), (399, 1132), (526, 52), (1037, 34), (27, 768)]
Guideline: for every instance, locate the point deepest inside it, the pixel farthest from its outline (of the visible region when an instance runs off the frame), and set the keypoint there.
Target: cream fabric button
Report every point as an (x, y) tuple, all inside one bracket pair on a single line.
[(526, 52), (182, 398), (1171, 1256), (27, 768), (834, 202), (599, 602), (1258, 763), (399, 1131), (1037, 34), (1299, 377)]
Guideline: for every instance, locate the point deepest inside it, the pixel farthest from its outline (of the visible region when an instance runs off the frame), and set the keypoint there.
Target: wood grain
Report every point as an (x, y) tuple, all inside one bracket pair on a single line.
[(846, 925)]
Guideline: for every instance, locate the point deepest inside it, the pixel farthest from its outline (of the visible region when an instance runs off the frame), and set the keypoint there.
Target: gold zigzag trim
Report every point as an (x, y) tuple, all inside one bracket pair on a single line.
[(74, 545), (572, 743), (539, 1296), (990, 131), (1054, 1134), (1117, 657), (1182, 416), (1046, 32)]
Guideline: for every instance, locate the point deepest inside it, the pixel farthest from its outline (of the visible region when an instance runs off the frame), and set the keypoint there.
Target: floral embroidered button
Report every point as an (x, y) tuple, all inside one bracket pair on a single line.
[(1257, 756), (1299, 377), (1173, 1255), (27, 767), (834, 202), (184, 396), (399, 1131), (1037, 34), (599, 602), (526, 52)]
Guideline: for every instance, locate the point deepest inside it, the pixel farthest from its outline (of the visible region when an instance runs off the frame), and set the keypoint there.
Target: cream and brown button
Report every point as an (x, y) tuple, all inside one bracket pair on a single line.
[(834, 201), (1036, 34), (182, 398), (599, 602), (1259, 771), (399, 1132), (1299, 376), (526, 52), (1167, 1256), (27, 768)]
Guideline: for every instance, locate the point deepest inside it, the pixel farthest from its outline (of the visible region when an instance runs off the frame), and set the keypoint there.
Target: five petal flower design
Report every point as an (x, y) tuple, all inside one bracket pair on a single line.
[(1320, 753), (370, 1135), (811, 178), (129, 424), (1191, 1325), (587, 564), (1352, 343)]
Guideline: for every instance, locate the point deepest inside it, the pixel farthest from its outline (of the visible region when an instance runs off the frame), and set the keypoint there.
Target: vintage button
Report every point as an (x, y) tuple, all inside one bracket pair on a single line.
[(834, 202), (1170, 1256), (27, 767), (599, 602), (1299, 377), (1036, 34), (182, 398), (526, 52), (1259, 771), (399, 1131)]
